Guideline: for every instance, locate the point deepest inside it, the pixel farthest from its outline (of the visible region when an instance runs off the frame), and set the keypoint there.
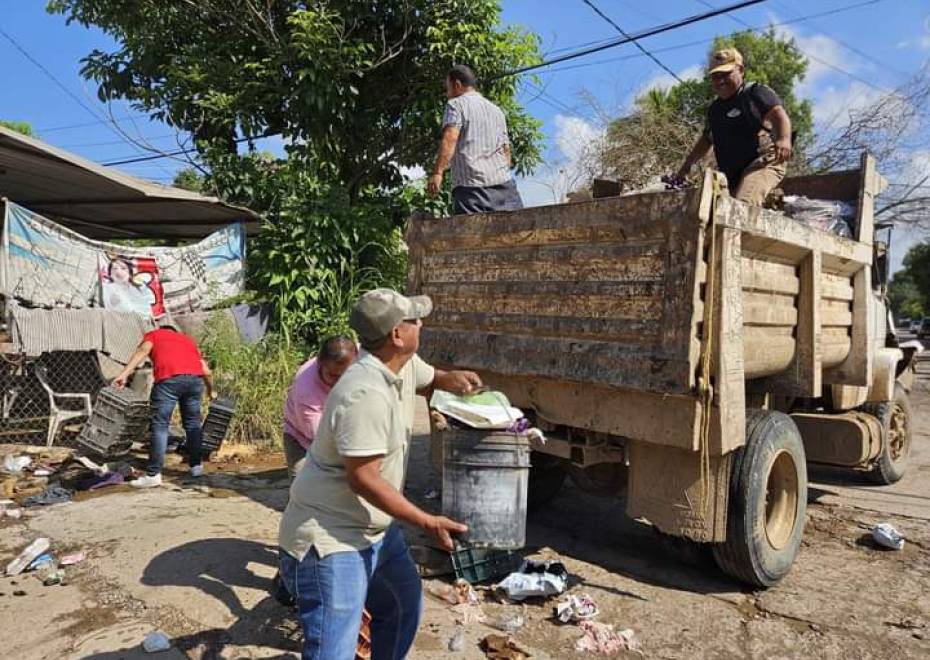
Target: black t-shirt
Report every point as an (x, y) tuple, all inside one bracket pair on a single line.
[(734, 128)]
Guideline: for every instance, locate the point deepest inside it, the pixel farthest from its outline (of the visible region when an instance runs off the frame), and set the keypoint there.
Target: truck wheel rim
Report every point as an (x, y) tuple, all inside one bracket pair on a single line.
[(781, 500), (897, 432)]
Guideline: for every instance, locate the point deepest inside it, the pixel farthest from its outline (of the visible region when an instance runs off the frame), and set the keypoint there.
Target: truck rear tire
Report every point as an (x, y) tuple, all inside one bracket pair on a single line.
[(547, 474), (767, 501), (895, 417)]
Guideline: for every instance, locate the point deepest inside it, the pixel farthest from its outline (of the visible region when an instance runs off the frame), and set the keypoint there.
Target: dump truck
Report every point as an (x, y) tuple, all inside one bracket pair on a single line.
[(682, 348)]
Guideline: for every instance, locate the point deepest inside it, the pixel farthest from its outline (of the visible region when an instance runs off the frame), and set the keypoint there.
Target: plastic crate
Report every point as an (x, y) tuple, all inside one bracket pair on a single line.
[(120, 416), (216, 424), (476, 565)]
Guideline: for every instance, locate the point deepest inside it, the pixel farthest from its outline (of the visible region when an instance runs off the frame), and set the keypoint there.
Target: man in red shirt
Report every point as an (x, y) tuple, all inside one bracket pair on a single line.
[(180, 376)]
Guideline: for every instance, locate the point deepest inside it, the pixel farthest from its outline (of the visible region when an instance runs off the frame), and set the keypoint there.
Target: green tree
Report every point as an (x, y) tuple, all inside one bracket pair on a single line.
[(357, 87), (904, 297), (917, 269), (189, 179), (663, 125), (23, 127), (355, 91)]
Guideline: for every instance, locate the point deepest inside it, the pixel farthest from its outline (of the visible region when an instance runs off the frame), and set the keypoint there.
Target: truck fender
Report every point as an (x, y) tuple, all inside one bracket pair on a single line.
[(884, 374)]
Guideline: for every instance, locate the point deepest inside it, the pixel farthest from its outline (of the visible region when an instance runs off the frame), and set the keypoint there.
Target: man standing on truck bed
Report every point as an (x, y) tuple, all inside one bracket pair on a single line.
[(748, 128), (341, 549), (476, 146)]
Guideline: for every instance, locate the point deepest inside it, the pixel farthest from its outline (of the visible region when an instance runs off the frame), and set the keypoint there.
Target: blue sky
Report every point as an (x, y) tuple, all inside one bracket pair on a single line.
[(854, 54)]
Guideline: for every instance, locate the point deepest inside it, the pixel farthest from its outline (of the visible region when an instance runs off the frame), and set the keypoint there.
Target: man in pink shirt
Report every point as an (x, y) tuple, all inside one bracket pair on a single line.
[(308, 393)]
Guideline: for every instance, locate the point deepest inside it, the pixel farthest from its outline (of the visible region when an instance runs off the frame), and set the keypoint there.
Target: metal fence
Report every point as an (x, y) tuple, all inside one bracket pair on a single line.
[(42, 395)]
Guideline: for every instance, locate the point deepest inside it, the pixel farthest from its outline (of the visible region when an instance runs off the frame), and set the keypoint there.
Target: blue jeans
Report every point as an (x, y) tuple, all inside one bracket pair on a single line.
[(186, 391), (331, 593)]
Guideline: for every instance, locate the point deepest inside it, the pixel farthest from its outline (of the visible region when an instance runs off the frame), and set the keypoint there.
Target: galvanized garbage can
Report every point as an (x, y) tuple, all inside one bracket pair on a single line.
[(484, 485)]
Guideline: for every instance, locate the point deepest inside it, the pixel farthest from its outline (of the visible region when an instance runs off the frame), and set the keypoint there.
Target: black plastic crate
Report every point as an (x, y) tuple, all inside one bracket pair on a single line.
[(217, 423), (120, 416)]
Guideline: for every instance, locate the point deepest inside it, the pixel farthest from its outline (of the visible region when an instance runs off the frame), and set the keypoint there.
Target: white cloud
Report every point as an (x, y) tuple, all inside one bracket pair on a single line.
[(573, 143), (834, 103)]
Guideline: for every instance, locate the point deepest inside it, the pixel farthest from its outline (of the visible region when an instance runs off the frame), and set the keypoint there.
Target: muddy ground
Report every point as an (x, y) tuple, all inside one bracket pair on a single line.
[(195, 560)]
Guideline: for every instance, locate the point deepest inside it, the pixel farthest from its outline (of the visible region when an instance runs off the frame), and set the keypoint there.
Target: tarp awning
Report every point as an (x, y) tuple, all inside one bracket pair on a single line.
[(103, 203)]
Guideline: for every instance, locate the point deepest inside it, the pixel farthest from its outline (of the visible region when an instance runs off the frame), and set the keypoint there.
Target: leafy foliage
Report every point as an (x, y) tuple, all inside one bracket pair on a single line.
[(256, 375), (917, 271), (356, 87), (355, 92), (23, 127)]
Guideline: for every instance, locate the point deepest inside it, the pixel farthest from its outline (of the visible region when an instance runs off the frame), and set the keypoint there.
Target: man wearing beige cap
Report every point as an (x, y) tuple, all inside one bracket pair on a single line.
[(341, 549), (748, 128)]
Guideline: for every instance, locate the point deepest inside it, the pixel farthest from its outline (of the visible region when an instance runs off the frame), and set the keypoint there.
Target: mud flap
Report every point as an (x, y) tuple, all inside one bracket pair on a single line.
[(665, 489)]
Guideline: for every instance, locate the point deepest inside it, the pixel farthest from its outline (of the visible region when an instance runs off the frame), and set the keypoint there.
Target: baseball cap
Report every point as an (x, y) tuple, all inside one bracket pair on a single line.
[(724, 60), (167, 321), (379, 311)]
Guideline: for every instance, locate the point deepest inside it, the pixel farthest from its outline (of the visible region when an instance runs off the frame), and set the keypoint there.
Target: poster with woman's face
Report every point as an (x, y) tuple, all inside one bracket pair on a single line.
[(131, 284)]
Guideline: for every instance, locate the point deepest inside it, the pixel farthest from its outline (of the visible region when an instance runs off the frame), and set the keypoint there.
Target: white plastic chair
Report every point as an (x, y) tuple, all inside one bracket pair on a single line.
[(56, 414)]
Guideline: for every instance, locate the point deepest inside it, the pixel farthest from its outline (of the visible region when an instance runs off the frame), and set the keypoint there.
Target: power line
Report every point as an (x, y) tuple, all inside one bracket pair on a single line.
[(68, 127), (699, 42), (178, 152), (810, 55), (635, 43), (649, 32)]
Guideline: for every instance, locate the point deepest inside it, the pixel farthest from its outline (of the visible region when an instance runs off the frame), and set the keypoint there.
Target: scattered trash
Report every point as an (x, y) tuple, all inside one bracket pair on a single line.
[(887, 536), (51, 495), (90, 465), (536, 435), (535, 578), (468, 613), (431, 494), (455, 594), (6, 503), (41, 560), (101, 481), (70, 560), (52, 578), (27, 556), (14, 464), (502, 647), (508, 622), (15, 514), (602, 639), (156, 641), (457, 641), (577, 607)]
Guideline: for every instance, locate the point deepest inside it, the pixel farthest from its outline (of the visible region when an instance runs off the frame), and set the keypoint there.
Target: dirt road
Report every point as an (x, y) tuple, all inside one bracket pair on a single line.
[(195, 560)]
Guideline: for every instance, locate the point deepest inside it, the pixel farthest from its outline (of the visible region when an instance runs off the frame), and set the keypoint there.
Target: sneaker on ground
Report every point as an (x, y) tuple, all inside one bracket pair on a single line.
[(197, 471), (147, 481)]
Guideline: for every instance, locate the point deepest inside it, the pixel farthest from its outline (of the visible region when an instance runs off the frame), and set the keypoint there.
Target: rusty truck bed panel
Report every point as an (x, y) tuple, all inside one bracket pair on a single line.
[(599, 292)]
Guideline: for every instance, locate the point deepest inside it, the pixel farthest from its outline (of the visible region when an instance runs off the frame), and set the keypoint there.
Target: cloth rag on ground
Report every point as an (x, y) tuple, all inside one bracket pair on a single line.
[(51, 495)]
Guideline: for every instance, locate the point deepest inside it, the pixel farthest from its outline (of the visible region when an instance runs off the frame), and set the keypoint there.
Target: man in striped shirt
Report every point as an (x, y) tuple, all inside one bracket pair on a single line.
[(476, 147)]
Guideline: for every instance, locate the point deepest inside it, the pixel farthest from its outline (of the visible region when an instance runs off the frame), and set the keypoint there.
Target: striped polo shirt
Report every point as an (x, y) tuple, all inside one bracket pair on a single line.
[(479, 159)]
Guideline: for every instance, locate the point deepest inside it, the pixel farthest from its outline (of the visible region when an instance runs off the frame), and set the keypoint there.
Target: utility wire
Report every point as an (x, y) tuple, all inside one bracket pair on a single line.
[(649, 32), (635, 42), (822, 61), (68, 127), (699, 42)]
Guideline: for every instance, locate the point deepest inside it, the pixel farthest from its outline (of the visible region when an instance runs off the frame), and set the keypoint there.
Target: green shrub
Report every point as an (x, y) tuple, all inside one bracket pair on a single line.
[(256, 375)]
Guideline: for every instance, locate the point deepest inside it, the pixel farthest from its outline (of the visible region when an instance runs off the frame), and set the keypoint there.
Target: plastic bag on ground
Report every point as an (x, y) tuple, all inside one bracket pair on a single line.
[(535, 579), (156, 641), (14, 464), (888, 537)]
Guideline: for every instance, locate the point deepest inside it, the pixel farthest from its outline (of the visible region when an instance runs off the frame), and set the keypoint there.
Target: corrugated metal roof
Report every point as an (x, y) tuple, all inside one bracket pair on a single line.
[(101, 202)]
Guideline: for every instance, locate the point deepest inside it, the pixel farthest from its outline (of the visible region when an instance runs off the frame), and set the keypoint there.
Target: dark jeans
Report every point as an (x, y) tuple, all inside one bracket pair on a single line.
[(331, 593), (488, 199), (186, 391)]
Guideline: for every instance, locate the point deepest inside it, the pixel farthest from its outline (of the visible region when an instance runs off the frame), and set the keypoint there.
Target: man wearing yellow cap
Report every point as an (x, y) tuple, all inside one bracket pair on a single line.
[(748, 128)]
